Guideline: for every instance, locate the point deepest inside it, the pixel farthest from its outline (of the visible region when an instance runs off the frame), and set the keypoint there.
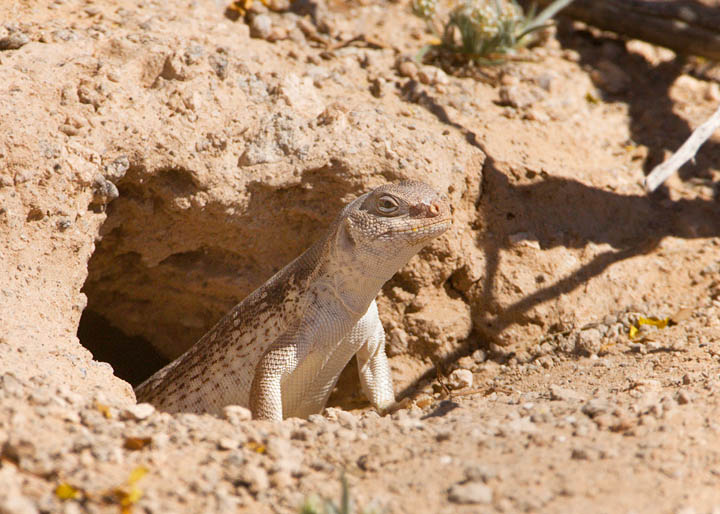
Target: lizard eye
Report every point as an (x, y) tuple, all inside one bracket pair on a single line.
[(387, 204)]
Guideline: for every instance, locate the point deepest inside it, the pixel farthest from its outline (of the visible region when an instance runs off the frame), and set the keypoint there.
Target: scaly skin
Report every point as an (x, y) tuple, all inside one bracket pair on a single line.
[(281, 350)]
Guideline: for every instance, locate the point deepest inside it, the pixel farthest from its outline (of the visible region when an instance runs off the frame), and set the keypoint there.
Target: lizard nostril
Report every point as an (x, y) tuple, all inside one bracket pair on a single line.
[(434, 209)]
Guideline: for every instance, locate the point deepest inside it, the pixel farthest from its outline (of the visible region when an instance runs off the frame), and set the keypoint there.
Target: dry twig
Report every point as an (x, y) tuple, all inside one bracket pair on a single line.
[(686, 152)]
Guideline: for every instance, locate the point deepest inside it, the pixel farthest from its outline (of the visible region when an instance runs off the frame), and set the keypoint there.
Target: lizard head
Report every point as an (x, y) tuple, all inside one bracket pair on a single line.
[(388, 225)]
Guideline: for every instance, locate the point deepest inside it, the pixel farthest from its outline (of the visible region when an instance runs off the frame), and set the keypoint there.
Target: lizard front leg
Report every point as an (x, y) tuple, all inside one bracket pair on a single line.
[(265, 392), (373, 367)]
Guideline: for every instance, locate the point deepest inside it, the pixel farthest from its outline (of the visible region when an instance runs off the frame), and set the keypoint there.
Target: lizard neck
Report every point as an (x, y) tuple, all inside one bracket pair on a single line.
[(353, 276)]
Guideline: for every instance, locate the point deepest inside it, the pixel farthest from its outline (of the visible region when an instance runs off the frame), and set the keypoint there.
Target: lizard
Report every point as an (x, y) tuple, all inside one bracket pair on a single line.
[(280, 351)]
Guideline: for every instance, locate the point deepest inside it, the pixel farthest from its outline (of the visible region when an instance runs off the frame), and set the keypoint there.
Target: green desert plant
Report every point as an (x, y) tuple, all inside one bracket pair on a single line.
[(484, 30), (316, 505)]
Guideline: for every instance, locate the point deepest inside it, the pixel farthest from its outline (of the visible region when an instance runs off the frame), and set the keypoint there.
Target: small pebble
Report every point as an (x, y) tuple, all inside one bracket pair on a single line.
[(408, 69), (596, 407), (379, 87), (460, 379), (104, 190), (255, 477), (580, 454), (160, 441), (226, 443), (684, 397), (470, 493), (237, 414), (14, 41), (562, 394), (479, 356), (432, 75), (518, 97), (588, 342), (479, 473), (261, 26), (139, 411), (343, 417)]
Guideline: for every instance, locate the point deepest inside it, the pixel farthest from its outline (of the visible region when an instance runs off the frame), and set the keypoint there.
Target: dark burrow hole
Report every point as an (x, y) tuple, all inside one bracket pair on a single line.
[(133, 358)]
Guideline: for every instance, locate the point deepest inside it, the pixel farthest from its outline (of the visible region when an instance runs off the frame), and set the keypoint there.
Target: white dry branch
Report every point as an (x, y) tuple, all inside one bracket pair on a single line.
[(686, 152)]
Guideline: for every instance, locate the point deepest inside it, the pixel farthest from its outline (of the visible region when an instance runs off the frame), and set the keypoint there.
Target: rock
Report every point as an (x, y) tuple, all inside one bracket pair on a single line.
[(14, 41), (610, 77), (638, 348), (526, 239), (686, 510), (261, 26), (460, 379), (343, 417), (138, 412), (237, 414), (226, 502), (288, 458), (408, 69), (219, 63), (118, 167), (345, 435), (69, 130), (194, 54), (519, 97), (10, 385), (684, 397), (596, 407), (443, 434), (470, 493), (301, 95), (160, 441), (104, 191), (479, 473), (432, 75), (588, 342), (604, 420), (12, 501), (522, 425), (379, 87), (466, 362), (255, 478), (580, 454), (397, 342), (479, 356), (317, 419), (546, 80), (226, 443), (562, 394)]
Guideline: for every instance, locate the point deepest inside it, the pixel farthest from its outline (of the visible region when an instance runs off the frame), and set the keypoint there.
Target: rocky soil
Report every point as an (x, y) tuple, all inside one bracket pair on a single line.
[(159, 161)]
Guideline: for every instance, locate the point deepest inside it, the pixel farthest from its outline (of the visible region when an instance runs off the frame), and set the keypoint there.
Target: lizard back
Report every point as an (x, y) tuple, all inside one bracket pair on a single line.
[(218, 369)]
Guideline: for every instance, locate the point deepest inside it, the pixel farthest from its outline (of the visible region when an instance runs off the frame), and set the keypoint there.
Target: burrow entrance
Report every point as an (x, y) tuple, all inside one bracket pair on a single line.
[(133, 358), (166, 269)]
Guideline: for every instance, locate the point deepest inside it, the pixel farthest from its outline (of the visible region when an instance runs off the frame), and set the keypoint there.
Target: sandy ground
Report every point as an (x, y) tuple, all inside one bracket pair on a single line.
[(159, 161)]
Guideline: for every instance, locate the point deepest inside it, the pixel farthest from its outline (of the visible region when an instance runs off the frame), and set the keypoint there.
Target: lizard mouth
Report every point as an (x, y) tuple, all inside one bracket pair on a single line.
[(429, 230)]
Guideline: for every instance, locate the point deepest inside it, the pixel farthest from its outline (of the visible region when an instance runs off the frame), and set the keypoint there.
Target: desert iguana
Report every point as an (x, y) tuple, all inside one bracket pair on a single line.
[(281, 350)]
